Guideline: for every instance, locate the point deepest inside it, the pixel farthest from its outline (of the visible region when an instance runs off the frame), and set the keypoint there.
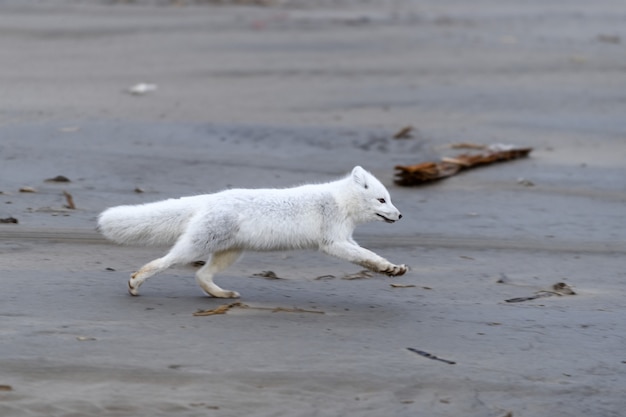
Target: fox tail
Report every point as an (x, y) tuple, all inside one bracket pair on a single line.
[(152, 224)]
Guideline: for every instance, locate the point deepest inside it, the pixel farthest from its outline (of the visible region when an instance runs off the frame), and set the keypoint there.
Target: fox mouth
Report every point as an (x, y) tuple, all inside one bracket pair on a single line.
[(387, 219)]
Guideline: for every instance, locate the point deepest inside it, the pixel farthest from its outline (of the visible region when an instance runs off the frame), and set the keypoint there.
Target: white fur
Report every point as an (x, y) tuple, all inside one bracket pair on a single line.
[(221, 226)]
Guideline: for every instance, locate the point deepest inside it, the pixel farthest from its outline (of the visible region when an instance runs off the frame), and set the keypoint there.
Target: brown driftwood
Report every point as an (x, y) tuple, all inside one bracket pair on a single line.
[(431, 171)]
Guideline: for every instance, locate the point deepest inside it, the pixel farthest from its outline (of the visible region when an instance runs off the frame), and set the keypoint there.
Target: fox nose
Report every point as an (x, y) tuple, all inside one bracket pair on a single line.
[(399, 216)]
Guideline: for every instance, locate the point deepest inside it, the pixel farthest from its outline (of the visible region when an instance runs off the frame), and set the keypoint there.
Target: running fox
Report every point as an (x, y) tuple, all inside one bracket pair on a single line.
[(219, 227)]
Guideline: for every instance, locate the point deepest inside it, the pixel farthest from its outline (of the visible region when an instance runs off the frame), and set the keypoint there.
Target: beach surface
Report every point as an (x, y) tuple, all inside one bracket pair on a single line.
[(279, 94)]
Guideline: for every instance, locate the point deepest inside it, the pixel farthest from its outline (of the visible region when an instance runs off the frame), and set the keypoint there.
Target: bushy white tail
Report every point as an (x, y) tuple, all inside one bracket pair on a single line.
[(153, 224)]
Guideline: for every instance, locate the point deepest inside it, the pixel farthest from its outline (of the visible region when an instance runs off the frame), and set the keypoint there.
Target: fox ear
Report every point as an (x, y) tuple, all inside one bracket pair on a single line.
[(359, 176)]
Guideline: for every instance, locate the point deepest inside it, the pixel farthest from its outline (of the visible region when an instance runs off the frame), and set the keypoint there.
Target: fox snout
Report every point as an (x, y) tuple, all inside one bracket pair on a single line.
[(395, 214), (390, 217)]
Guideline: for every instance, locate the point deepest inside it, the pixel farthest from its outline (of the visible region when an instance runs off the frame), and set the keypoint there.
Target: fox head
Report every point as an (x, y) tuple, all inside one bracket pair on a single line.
[(372, 198)]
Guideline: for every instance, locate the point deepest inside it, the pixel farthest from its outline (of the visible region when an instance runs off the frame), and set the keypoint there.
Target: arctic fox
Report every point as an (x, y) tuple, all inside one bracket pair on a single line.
[(219, 227)]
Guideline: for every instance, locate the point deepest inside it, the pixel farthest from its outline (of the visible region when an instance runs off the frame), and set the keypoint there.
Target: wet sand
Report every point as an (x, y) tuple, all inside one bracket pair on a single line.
[(281, 95)]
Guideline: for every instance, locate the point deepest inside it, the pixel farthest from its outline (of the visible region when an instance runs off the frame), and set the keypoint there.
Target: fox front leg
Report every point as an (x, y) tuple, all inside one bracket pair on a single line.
[(352, 252)]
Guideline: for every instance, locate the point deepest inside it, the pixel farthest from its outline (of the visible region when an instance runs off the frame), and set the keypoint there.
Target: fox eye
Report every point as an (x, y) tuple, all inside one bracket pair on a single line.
[(381, 200)]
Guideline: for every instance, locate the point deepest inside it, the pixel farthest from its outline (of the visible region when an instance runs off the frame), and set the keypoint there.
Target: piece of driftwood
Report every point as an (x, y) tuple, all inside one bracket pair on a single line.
[(431, 171)]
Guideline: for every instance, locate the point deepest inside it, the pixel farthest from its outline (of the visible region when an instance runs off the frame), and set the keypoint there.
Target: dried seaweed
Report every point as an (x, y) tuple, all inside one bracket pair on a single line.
[(559, 289), (58, 178), (404, 133), (267, 275), (288, 310), (325, 277), (225, 307), (364, 274), (70, 201), (219, 310), (448, 166)]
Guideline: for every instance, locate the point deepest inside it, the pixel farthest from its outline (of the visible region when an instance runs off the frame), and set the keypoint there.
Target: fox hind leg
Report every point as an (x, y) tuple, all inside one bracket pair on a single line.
[(183, 252), (219, 261), (146, 271)]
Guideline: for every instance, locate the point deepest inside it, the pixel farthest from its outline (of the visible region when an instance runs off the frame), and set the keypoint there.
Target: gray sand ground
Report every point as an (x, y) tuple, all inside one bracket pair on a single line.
[(280, 95)]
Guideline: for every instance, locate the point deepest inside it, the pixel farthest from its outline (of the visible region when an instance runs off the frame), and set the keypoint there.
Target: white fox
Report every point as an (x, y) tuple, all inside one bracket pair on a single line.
[(220, 226)]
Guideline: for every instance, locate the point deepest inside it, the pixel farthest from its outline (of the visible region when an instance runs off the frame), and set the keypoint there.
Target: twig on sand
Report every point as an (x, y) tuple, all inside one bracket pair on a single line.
[(430, 356), (402, 285)]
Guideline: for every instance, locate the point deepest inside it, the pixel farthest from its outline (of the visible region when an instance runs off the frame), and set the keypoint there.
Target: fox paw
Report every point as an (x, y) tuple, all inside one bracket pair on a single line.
[(395, 270), (225, 294), (132, 289), (133, 284)]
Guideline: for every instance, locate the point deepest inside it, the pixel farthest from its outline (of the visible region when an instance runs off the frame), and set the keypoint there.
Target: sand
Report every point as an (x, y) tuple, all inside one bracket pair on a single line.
[(271, 96)]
